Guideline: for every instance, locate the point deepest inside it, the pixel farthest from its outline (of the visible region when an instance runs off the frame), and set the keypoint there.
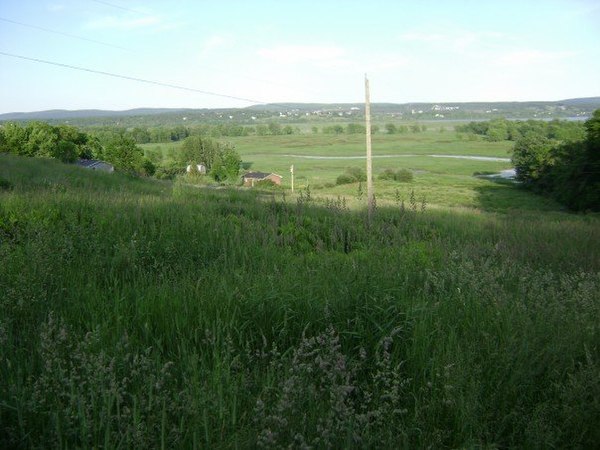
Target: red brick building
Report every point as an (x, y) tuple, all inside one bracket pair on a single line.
[(251, 178)]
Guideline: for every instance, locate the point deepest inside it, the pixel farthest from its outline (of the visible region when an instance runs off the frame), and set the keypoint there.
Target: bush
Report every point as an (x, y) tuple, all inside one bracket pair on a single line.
[(345, 178), (168, 173), (352, 175), (401, 175), (404, 175), (267, 184), (387, 174)]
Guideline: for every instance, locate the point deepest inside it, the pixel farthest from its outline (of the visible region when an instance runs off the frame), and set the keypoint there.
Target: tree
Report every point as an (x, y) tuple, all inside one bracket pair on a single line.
[(197, 150), (91, 149), (568, 171), (592, 126), (274, 128), (226, 165), (66, 151), (497, 130), (124, 154), (148, 167), (42, 139), (15, 139), (530, 156), (391, 128), (355, 128)]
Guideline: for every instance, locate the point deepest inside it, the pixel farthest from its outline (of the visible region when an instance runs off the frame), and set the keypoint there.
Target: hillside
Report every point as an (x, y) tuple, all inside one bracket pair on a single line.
[(138, 313), (302, 112)]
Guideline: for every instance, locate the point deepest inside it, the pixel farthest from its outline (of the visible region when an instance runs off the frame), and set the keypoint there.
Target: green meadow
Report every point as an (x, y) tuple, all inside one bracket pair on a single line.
[(162, 314), (442, 182)]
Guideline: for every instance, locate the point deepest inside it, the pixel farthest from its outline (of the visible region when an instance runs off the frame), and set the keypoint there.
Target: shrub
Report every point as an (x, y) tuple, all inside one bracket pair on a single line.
[(402, 175), (168, 173), (352, 175), (357, 172), (387, 174), (267, 184), (345, 178)]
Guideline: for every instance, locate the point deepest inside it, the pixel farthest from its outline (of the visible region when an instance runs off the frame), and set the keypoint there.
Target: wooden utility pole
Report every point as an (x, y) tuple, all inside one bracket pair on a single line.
[(370, 193), (292, 172)]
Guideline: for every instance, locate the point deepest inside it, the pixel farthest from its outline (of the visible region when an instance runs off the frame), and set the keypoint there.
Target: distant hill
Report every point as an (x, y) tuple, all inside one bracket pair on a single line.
[(84, 113), (302, 112)]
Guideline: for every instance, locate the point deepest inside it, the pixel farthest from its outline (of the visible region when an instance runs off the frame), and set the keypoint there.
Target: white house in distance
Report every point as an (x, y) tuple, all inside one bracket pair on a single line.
[(199, 168)]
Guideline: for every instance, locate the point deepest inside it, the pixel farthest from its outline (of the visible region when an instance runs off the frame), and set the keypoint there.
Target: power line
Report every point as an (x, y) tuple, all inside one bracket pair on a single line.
[(48, 30), (126, 77), (274, 83)]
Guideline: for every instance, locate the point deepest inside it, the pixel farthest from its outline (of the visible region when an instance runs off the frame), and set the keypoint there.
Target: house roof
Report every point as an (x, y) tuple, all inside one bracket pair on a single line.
[(91, 163), (259, 175)]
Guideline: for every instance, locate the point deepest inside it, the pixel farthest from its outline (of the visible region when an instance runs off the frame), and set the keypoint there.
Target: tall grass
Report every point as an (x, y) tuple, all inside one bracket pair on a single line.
[(136, 313)]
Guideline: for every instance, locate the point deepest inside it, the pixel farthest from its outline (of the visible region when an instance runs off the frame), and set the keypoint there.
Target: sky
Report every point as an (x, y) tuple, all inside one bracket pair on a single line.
[(235, 53)]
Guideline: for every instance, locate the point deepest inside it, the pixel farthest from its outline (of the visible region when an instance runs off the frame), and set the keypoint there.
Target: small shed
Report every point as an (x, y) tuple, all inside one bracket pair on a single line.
[(94, 164), (199, 168), (251, 178)]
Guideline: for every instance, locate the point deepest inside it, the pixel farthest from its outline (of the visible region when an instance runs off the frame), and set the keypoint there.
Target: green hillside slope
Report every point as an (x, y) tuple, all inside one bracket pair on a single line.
[(135, 313)]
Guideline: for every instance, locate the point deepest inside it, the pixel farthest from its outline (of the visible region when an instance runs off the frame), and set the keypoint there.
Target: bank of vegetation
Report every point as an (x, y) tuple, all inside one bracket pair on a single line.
[(119, 148), (566, 169), (140, 313)]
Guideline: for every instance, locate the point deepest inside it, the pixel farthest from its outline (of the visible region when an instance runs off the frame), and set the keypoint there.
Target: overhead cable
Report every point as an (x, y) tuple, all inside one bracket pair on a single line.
[(126, 77)]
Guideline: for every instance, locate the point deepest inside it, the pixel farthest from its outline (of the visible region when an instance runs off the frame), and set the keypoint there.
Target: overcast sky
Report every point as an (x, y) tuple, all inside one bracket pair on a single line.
[(295, 51)]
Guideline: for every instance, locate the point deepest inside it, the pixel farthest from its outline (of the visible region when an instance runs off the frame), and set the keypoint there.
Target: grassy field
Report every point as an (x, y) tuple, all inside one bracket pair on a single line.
[(137, 313), (441, 182)]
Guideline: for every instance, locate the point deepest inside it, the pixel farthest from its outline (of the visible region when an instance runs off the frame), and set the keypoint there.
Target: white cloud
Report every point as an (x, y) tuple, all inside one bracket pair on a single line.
[(123, 23), (295, 54)]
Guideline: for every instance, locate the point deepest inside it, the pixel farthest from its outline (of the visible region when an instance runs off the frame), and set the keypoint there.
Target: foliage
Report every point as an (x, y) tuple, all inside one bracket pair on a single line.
[(226, 165), (145, 314), (355, 128), (333, 129), (65, 151), (198, 150), (148, 167), (38, 139), (352, 175), (568, 171), (124, 154), (502, 129), (402, 175), (531, 155)]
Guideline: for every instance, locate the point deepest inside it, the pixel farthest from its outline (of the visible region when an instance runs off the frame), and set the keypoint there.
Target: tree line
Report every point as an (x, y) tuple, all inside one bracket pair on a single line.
[(117, 147), (166, 134), (513, 130), (67, 144), (562, 166)]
